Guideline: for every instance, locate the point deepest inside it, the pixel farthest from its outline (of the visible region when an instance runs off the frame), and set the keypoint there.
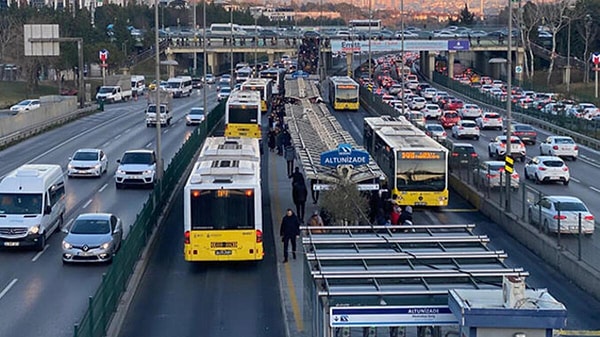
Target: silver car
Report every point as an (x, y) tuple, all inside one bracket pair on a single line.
[(195, 116), (491, 174), (545, 212), (87, 162), (93, 237), (436, 132)]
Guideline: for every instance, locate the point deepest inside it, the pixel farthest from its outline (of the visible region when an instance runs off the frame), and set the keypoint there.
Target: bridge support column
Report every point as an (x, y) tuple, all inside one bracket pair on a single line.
[(451, 55), (213, 63), (431, 63), (170, 68), (520, 62), (271, 56)]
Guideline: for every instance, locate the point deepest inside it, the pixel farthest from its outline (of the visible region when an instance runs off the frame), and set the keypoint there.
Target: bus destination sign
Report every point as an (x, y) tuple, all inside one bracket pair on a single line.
[(421, 155)]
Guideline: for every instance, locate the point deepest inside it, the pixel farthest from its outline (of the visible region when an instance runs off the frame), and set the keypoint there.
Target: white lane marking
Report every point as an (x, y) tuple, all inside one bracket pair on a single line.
[(149, 145), (37, 256), (594, 189), (118, 136), (575, 180), (103, 187), (87, 203), (7, 288), (106, 144), (166, 130)]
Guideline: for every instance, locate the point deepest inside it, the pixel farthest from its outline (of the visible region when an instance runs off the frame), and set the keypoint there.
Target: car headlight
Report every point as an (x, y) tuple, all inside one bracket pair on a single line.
[(66, 245), (70, 167), (105, 245), (119, 171), (187, 118), (148, 171), (34, 229), (97, 166)]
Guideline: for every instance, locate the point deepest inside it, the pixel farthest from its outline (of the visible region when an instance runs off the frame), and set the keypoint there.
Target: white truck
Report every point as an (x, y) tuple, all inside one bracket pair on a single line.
[(117, 89), (166, 113)]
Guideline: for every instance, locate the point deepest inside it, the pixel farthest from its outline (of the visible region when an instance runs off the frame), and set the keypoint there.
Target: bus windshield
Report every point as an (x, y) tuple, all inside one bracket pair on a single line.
[(222, 209), (346, 95), (243, 115), (18, 203), (421, 175)]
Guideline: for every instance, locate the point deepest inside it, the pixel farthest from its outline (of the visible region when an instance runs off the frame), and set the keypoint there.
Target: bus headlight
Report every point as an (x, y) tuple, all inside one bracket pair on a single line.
[(34, 229)]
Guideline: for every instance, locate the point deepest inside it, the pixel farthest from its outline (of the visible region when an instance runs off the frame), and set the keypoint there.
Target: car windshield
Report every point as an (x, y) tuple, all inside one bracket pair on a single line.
[(468, 124), (451, 115), (225, 90), (496, 167), (27, 102), (464, 149), (90, 226), (435, 128), (492, 116), (553, 163), (522, 128), (570, 206), (81, 155), (18, 203), (137, 158), (197, 111)]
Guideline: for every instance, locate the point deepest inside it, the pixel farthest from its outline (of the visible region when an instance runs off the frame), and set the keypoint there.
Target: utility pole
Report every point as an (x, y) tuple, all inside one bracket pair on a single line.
[(204, 66), (159, 163), (508, 104), (370, 18)]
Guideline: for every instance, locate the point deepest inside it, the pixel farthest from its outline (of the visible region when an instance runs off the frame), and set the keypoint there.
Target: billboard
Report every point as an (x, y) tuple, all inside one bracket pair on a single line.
[(377, 46)]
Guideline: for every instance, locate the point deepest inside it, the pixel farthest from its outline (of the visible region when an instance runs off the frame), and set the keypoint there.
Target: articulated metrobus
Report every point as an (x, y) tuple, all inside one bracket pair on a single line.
[(242, 114), (277, 77), (343, 93), (263, 87), (415, 164), (223, 202), (243, 74)]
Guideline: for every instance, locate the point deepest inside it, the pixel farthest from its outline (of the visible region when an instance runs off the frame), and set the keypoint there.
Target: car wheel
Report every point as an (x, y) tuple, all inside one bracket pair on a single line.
[(119, 186), (541, 151), (574, 158), (490, 154), (537, 179), (41, 243), (476, 137), (566, 182)]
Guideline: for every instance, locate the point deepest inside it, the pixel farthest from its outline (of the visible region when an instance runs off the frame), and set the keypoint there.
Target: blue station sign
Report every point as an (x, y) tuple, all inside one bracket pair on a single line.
[(300, 74), (345, 154)]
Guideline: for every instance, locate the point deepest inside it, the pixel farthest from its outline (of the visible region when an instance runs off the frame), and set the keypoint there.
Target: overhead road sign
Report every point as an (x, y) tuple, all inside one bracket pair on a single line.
[(45, 48), (391, 316), (338, 46)]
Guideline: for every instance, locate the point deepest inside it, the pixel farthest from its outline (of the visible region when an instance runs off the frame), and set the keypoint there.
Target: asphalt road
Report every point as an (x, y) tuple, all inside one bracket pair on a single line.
[(39, 296), (583, 310)]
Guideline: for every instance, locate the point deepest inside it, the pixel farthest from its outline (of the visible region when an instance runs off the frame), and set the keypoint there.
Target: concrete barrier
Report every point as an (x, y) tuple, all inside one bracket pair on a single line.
[(564, 261), (53, 110)]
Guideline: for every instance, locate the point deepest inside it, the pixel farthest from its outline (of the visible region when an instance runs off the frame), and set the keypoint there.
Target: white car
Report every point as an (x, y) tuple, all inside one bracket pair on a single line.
[(438, 96), (545, 213), (491, 174), (195, 116), (87, 162), (469, 110), (489, 120), (210, 79), (417, 103), (428, 93), (26, 105), (136, 167), (395, 89), (546, 169), (93, 237), (497, 148), (465, 129), (224, 93), (416, 117), (432, 111), (436, 132), (560, 146), (412, 85)]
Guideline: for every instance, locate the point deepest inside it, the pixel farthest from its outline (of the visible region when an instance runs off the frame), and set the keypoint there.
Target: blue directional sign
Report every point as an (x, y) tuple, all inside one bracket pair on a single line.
[(345, 154), (391, 316), (300, 74), (458, 45)]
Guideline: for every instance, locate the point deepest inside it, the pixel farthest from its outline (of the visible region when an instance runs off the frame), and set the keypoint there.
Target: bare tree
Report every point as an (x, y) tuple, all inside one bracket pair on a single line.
[(9, 33), (588, 33), (554, 18), (528, 20)]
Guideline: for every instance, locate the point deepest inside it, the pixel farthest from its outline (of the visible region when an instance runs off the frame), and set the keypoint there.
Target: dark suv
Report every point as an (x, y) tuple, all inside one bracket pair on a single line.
[(461, 155), (525, 132)]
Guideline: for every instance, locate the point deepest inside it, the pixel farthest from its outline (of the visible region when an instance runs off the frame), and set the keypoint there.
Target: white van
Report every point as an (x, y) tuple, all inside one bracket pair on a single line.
[(138, 84), (180, 86), (226, 29), (32, 205)]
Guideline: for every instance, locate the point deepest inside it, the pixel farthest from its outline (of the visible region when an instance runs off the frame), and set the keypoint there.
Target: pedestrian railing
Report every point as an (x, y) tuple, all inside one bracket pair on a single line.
[(103, 304)]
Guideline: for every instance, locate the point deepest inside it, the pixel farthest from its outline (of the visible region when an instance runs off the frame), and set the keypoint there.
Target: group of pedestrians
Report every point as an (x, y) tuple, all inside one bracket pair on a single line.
[(308, 55), (392, 214)]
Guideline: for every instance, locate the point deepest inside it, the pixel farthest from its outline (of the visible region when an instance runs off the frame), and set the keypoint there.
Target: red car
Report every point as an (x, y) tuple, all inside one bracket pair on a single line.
[(449, 119), (454, 104)]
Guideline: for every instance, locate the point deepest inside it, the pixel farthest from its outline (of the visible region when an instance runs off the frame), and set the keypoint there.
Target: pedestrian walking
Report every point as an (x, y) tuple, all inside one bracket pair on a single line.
[(289, 231), (290, 155), (271, 141), (299, 194), (316, 221), (279, 143), (297, 177)]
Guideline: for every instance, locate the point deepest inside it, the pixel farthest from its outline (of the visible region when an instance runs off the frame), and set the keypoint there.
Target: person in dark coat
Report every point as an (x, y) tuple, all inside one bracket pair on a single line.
[(297, 177), (290, 155), (289, 231), (271, 140), (279, 143), (299, 194)]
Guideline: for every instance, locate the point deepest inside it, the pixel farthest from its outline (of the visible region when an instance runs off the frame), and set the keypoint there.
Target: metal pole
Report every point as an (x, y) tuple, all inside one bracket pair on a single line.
[(369, 37), (204, 66), (81, 92), (508, 103), (231, 82), (579, 239), (569, 58), (402, 52), (596, 79), (195, 65), (255, 45), (159, 166)]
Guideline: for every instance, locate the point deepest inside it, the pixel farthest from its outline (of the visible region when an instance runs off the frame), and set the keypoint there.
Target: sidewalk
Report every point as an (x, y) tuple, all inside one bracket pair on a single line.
[(291, 274)]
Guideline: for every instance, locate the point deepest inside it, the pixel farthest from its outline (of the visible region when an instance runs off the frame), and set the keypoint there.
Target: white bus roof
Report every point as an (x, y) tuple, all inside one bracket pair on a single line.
[(30, 178), (244, 97), (256, 81), (342, 80), (400, 134), (227, 147)]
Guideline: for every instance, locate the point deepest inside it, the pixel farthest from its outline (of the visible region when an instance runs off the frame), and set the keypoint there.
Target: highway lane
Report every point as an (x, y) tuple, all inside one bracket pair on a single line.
[(177, 298), (582, 308), (38, 295)]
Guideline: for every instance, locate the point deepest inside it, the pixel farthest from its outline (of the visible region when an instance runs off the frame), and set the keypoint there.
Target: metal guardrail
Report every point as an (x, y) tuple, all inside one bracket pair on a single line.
[(583, 131), (38, 128), (103, 304)]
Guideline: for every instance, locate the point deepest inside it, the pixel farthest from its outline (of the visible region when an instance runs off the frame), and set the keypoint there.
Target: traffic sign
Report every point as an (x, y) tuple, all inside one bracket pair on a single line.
[(345, 154), (300, 74), (509, 163), (518, 69), (596, 58), (103, 55)]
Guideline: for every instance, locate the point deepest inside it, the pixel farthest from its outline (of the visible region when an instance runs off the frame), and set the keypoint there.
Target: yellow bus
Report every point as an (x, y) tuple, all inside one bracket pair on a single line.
[(223, 203), (264, 87), (277, 77), (415, 164), (242, 114), (343, 93)]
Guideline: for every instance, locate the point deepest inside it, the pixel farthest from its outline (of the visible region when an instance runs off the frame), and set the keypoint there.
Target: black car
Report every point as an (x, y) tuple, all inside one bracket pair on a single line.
[(525, 132), (461, 155), (196, 82)]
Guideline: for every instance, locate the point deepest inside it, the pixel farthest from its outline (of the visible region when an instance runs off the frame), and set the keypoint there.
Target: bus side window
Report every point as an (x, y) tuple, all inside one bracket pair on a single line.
[(56, 192)]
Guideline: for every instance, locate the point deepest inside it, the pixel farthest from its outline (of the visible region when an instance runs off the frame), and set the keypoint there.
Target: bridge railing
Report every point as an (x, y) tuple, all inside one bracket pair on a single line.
[(103, 304)]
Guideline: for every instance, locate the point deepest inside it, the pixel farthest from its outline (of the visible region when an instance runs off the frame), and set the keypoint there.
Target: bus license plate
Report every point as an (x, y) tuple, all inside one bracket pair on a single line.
[(223, 252), (11, 243), (420, 204)]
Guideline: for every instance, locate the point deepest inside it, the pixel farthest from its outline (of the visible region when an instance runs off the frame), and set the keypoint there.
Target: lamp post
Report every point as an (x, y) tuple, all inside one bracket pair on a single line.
[(256, 15), (159, 166), (195, 64), (402, 50), (568, 72), (508, 104), (204, 66), (370, 18), (231, 81)]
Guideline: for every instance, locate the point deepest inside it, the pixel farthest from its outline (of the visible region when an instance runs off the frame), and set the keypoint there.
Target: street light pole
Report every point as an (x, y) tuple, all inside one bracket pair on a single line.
[(568, 73), (402, 51), (370, 18), (204, 66), (159, 164), (255, 44), (195, 66), (231, 44), (508, 104)]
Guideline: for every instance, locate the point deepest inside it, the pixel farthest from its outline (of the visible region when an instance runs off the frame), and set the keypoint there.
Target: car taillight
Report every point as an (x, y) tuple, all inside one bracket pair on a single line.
[(474, 154), (542, 168), (476, 128), (565, 169), (515, 175), (186, 238), (461, 128), (575, 147), (502, 145), (444, 133), (259, 236), (562, 217), (491, 175), (454, 154), (428, 133), (555, 147), (588, 217), (486, 119)]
